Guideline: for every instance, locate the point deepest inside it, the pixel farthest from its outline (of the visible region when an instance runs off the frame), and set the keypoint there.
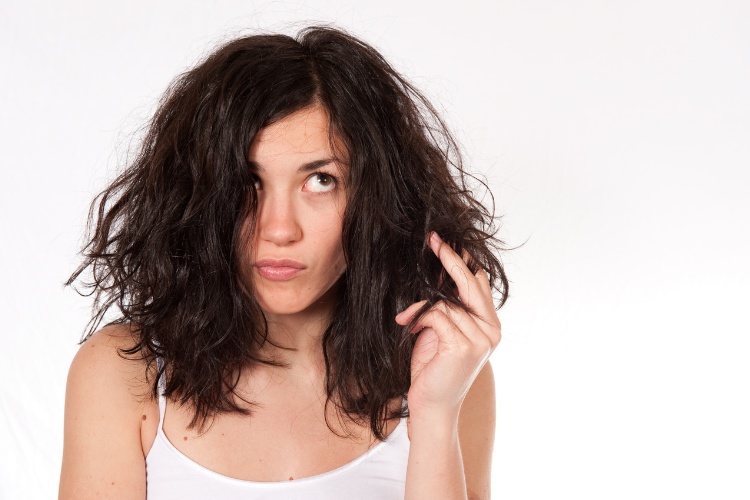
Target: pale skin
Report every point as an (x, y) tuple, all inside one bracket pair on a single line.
[(111, 423)]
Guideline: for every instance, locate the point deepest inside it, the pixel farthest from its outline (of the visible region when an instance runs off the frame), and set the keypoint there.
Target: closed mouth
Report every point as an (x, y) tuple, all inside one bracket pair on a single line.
[(280, 263)]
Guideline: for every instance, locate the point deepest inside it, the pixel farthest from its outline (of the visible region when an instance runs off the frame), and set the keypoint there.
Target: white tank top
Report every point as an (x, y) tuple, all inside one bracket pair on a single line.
[(379, 474)]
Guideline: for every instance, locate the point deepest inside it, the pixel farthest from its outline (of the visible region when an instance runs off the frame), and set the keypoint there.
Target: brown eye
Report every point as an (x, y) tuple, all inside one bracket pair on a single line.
[(321, 182)]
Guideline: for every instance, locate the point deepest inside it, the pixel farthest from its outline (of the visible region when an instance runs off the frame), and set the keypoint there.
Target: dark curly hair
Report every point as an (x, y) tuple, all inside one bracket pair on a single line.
[(166, 243)]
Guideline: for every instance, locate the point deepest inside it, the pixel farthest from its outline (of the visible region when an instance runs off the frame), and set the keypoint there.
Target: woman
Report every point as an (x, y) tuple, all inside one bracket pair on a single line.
[(286, 298)]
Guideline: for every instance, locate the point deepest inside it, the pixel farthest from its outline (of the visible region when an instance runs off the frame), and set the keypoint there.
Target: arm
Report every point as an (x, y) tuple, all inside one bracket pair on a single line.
[(476, 432), (102, 452), (453, 453), (451, 398)]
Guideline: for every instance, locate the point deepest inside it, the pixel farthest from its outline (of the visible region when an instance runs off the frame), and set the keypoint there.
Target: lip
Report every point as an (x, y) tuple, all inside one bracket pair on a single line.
[(279, 269), (279, 263)]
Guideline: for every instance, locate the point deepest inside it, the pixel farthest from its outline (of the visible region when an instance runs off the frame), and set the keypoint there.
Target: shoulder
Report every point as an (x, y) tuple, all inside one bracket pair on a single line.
[(476, 433), (102, 350), (105, 395), (104, 373)]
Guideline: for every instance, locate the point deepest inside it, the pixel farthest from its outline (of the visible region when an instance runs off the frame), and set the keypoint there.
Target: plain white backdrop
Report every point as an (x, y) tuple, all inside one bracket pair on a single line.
[(615, 136)]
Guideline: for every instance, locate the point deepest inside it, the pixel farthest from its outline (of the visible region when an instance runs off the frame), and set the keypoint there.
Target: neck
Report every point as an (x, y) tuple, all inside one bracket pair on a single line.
[(297, 339)]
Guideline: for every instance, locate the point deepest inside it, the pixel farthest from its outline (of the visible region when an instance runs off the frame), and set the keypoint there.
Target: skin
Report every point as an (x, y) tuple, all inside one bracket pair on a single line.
[(451, 388), (300, 216), (110, 424)]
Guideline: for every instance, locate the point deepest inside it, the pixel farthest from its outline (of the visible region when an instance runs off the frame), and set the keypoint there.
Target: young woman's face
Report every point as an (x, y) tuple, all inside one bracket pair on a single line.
[(297, 254)]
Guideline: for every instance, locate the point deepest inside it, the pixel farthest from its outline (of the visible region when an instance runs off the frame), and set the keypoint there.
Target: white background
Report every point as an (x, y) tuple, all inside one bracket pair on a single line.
[(615, 136)]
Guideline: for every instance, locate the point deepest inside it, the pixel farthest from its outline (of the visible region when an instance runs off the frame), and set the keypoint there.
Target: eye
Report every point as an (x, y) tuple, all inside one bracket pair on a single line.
[(320, 182)]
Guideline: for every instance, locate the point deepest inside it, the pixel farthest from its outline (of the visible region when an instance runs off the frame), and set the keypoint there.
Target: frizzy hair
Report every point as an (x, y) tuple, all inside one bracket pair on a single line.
[(167, 239)]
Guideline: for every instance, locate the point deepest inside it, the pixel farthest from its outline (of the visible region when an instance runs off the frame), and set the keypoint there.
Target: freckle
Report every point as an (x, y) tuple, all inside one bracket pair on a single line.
[(290, 478), (184, 438), (143, 417), (113, 483)]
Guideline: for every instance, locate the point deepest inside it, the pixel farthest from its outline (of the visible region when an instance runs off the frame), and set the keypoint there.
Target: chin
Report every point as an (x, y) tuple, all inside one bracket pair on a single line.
[(283, 304), (284, 310)]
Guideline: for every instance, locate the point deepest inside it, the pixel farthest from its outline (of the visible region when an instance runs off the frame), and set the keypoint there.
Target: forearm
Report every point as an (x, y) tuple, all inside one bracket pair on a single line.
[(435, 468)]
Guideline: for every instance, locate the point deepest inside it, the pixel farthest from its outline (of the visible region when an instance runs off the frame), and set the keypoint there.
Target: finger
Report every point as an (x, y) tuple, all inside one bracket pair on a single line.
[(473, 327), (491, 315), (447, 332), (485, 317), (466, 257), (458, 315), (405, 316), (483, 279), (452, 338), (466, 282), (476, 329)]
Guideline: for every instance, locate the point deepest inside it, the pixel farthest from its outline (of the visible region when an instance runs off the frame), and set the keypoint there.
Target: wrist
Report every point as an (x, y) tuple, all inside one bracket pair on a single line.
[(433, 424)]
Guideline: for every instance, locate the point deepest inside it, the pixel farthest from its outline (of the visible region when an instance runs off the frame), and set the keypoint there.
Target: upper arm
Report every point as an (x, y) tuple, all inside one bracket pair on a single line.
[(476, 432), (102, 452)]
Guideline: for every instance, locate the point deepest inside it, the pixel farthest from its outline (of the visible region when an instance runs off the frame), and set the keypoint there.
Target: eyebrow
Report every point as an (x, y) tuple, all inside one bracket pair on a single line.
[(307, 167)]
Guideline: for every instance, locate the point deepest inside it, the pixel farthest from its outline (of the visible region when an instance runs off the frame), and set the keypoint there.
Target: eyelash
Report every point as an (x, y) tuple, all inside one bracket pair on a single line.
[(314, 174), (325, 174)]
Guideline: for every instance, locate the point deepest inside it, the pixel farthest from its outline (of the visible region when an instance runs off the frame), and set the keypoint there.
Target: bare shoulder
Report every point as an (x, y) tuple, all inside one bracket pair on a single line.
[(100, 375), (105, 395), (476, 431), (100, 356)]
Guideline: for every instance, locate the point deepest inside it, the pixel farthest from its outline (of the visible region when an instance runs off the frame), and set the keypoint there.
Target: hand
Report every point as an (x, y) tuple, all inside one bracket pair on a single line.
[(453, 345)]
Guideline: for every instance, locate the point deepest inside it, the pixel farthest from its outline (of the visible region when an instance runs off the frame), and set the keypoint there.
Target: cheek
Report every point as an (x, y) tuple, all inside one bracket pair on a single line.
[(324, 229), (328, 246), (331, 252)]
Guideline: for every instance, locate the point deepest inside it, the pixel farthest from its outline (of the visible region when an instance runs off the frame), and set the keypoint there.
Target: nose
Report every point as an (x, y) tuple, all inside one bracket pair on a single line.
[(278, 222)]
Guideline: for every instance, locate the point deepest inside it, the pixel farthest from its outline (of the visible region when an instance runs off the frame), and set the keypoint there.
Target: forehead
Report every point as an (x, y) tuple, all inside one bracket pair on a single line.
[(302, 136)]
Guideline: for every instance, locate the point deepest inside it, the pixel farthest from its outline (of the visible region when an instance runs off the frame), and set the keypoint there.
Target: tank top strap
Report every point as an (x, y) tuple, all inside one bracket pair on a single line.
[(162, 387)]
